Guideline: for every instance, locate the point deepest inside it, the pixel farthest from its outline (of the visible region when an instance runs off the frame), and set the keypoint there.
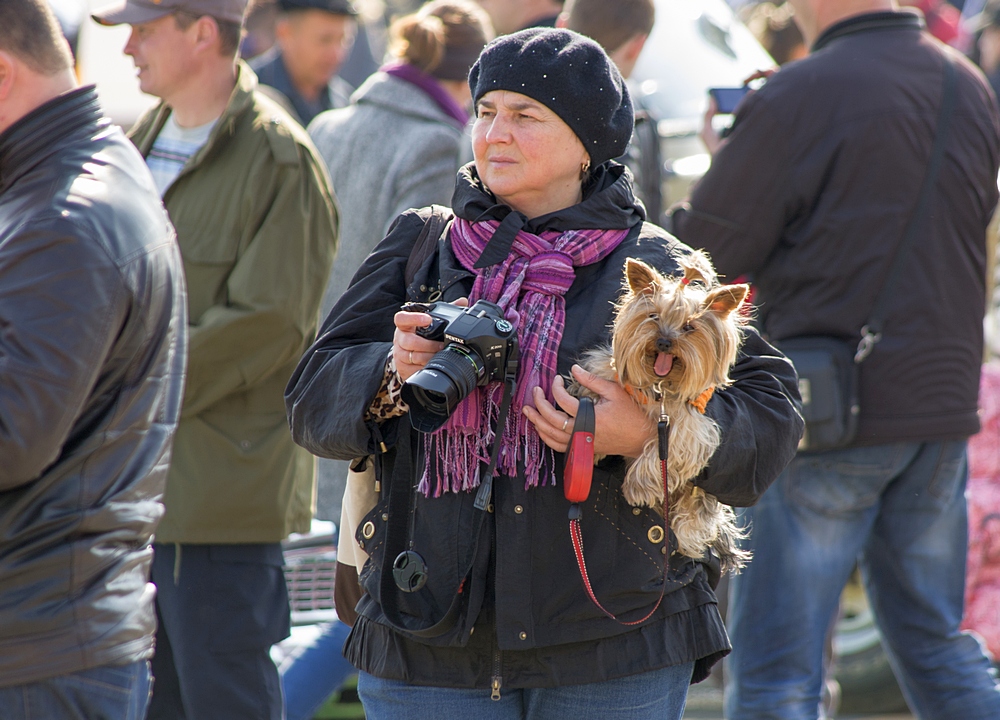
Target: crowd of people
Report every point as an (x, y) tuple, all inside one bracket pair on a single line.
[(399, 284)]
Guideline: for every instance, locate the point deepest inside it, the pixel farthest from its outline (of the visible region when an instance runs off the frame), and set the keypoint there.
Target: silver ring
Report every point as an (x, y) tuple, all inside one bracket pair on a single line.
[(565, 423), (411, 357)]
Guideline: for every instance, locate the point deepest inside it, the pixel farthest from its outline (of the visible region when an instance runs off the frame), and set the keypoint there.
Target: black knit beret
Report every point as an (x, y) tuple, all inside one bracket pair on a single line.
[(569, 74)]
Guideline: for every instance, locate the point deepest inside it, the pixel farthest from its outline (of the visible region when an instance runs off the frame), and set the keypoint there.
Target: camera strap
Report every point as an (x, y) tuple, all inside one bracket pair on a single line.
[(401, 503)]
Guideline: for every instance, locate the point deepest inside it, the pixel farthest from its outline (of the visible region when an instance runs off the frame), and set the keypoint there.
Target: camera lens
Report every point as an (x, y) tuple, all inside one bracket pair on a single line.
[(433, 392)]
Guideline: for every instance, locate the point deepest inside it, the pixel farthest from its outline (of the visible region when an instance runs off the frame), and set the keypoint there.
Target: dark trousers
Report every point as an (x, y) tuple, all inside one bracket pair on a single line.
[(219, 609)]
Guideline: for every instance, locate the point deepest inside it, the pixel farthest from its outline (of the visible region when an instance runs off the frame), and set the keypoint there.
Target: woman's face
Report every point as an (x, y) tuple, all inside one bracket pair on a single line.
[(526, 155)]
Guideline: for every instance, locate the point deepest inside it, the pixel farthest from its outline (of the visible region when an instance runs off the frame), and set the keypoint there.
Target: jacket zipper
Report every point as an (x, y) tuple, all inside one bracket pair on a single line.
[(497, 680)]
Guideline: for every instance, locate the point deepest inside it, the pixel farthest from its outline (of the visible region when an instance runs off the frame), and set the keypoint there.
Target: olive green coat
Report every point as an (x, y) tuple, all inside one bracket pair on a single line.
[(257, 225)]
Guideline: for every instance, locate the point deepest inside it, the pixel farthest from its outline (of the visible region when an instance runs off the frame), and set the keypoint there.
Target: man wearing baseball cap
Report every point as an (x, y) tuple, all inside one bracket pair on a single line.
[(256, 225), (314, 38)]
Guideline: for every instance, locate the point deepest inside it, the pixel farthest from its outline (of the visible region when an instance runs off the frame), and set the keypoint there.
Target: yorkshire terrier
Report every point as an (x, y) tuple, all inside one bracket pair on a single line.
[(673, 343)]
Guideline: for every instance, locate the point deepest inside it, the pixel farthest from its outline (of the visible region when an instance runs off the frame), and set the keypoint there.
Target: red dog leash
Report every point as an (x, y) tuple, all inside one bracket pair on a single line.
[(577, 477)]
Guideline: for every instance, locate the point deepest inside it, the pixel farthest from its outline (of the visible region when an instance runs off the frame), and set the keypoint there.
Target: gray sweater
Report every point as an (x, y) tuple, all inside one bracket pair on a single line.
[(391, 150)]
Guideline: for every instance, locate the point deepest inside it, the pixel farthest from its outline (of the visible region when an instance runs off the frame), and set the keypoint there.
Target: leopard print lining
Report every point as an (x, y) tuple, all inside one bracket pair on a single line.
[(388, 402)]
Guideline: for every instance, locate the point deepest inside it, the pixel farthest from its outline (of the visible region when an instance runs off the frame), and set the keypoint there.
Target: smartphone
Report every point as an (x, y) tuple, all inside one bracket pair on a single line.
[(726, 99)]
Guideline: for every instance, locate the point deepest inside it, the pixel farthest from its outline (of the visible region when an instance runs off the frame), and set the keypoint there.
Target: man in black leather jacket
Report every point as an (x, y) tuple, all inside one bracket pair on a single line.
[(92, 352)]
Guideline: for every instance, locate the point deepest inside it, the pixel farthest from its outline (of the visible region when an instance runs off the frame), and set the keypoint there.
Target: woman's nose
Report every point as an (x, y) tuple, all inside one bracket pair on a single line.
[(498, 130)]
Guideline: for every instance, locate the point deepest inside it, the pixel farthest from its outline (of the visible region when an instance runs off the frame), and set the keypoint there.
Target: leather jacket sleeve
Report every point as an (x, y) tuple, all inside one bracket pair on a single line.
[(761, 422), (339, 376), (58, 321)]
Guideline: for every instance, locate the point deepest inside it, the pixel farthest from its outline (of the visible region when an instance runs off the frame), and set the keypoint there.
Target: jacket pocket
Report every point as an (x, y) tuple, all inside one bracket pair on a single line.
[(209, 252)]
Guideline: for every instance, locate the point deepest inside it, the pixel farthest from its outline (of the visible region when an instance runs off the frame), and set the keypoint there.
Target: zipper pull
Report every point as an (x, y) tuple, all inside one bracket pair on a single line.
[(495, 695)]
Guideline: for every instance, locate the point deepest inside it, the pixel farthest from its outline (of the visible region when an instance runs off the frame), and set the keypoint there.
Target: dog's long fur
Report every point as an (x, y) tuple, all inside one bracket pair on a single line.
[(696, 321)]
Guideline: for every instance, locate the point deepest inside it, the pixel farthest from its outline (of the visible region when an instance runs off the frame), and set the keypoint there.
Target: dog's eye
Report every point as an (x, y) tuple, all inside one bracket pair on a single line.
[(654, 316), (688, 327)]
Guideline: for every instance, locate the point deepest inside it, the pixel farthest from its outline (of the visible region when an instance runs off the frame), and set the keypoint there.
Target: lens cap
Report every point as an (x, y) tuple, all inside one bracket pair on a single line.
[(409, 571)]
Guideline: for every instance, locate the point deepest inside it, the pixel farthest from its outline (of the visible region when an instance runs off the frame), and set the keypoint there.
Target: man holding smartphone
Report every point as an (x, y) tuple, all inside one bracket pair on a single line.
[(810, 195)]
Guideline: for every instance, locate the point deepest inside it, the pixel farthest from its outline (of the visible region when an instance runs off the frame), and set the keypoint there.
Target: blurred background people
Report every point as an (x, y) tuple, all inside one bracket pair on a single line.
[(621, 28), (398, 145), (774, 27), (92, 360), (985, 50), (256, 223), (512, 15), (312, 40), (943, 19)]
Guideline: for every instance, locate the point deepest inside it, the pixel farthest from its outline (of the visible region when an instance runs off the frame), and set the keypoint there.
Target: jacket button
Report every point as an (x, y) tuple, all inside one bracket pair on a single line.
[(385, 517), (523, 636), (518, 509), (636, 511), (368, 530), (655, 534), (489, 508)]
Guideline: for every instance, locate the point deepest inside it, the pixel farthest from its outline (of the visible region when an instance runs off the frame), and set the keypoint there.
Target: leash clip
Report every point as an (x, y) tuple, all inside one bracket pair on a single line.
[(659, 395)]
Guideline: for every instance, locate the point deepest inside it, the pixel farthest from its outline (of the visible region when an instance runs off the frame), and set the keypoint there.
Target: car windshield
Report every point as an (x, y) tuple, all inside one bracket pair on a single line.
[(695, 44)]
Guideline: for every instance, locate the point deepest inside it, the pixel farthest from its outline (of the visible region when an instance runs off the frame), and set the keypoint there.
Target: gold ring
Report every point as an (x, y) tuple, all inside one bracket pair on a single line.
[(411, 357), (566, 423)]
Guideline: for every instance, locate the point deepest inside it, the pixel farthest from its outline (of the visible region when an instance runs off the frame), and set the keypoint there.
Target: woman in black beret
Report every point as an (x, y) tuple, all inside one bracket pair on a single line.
[(473, 602)]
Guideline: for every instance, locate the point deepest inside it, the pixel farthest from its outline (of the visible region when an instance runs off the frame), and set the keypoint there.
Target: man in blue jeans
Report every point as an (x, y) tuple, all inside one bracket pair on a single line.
[(810, 196), (93, 341)]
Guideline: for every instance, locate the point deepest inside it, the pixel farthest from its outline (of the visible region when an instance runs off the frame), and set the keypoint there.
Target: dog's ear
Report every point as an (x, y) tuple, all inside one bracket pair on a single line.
[(640, 276), (723, 300)]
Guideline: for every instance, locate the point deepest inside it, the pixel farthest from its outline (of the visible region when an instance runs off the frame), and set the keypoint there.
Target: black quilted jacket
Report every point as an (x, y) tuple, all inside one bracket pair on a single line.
[(534, 624)]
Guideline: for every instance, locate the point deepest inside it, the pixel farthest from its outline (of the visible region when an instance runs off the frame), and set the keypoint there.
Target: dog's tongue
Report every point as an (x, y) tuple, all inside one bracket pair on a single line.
[(663, 363)]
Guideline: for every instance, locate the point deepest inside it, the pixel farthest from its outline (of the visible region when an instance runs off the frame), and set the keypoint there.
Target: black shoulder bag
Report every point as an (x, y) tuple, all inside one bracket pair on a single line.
[(829, 367), (347, 591)]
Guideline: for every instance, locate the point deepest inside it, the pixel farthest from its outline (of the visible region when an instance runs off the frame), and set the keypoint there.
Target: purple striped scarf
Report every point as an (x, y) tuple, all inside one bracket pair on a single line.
[(529, 286)]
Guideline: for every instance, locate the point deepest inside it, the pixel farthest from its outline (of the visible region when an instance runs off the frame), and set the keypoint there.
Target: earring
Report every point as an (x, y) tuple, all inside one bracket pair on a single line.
[(585, 168)]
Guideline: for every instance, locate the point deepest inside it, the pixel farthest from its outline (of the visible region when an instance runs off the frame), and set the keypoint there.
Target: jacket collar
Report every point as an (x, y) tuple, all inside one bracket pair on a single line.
[(34, 137), (608, 204), (398, 96), (886, 20), (239, 101)]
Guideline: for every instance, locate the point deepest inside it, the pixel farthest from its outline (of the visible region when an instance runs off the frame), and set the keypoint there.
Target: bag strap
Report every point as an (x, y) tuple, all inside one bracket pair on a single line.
[(871, 333), (427, 240)]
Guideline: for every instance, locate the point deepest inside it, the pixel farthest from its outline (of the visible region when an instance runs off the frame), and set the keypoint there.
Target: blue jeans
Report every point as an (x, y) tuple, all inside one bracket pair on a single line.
[(316, 673), (109, 692), (899, 512), (655, 695)]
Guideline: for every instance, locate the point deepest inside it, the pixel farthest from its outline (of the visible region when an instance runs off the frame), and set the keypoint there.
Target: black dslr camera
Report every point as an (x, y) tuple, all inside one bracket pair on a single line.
[(481, 348)]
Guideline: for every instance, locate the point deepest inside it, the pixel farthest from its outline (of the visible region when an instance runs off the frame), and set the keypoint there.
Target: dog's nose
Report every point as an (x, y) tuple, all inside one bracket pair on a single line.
[(663, 344)]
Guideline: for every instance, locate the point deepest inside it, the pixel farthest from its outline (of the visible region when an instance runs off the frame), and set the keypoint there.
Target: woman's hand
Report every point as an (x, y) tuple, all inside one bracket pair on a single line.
[(410, 351), (623, 428)]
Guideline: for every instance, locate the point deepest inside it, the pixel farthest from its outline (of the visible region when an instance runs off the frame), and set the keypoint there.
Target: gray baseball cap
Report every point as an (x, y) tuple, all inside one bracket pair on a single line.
[(135, 12)]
